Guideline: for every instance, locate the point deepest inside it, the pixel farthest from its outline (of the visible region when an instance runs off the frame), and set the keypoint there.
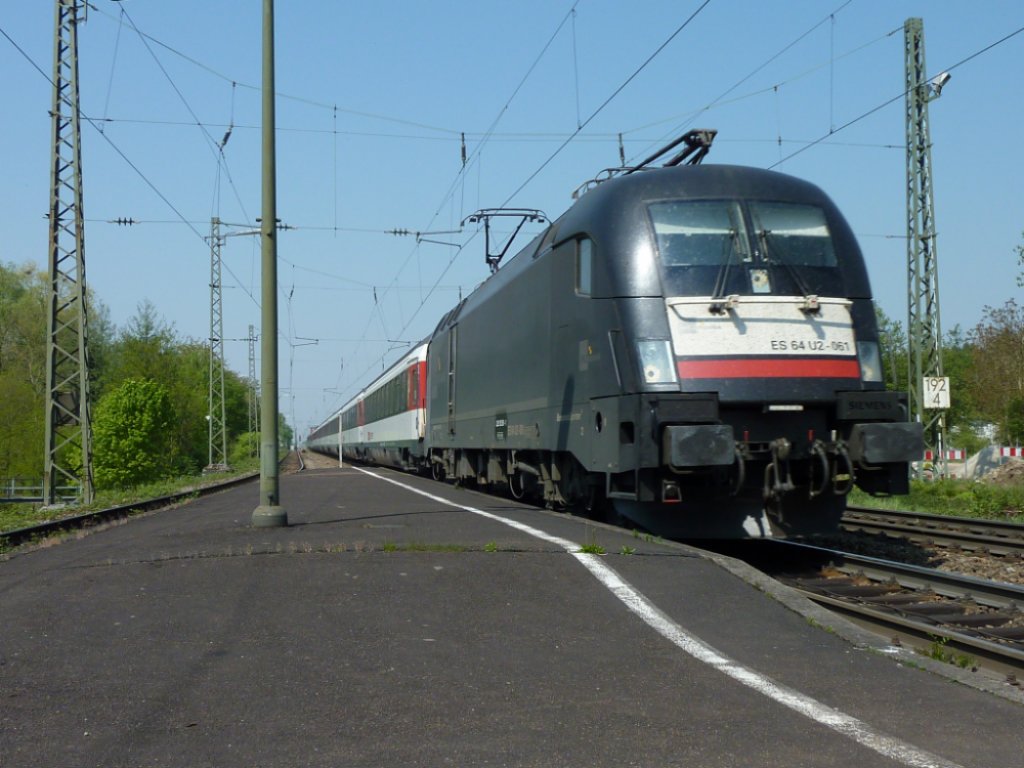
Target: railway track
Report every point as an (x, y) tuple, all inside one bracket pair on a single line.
[(972, 534), (291, 462), (9, 539), (960, 619)]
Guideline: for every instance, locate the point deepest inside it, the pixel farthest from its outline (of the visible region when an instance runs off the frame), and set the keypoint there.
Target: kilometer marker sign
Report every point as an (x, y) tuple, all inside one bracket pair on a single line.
[(935, 392)]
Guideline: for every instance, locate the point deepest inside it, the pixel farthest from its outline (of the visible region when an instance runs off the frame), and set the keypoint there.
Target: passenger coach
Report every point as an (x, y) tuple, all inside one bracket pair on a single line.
[(385, 423)]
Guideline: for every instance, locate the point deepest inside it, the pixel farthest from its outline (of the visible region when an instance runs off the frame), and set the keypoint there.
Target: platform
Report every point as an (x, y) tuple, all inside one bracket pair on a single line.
[(384, 627)]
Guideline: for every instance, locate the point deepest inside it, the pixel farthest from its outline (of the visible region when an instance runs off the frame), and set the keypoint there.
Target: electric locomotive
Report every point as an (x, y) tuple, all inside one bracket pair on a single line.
[(693, 348)]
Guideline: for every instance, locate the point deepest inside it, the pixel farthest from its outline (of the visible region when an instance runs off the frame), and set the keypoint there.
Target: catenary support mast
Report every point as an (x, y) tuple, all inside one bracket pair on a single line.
[(269, 513), (218, 453), (68, 459), (923, 326)]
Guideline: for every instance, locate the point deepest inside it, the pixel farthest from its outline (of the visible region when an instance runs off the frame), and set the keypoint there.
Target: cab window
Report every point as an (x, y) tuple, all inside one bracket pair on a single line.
[(699, 233), (584, 266)]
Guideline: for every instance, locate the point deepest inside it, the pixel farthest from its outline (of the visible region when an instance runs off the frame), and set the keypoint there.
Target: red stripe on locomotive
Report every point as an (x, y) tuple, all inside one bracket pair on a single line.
[(770, 368)]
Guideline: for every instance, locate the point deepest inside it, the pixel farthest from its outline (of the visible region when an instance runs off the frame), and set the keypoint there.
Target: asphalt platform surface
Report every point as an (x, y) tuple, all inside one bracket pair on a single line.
[(387, 628)]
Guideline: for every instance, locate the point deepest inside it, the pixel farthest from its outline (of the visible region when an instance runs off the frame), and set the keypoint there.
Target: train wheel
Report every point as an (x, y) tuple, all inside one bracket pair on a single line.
[(437, 470)]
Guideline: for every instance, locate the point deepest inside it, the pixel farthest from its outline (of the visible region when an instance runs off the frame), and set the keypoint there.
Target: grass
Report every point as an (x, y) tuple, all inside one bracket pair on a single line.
[(418, 546), (962, 498)]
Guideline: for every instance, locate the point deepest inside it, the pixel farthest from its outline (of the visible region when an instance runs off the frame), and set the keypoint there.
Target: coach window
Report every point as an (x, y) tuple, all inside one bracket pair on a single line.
[(584, 265)]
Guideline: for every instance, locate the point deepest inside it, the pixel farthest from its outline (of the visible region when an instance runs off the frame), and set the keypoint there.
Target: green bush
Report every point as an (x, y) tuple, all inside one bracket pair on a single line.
[(244, 451), (131, 435)]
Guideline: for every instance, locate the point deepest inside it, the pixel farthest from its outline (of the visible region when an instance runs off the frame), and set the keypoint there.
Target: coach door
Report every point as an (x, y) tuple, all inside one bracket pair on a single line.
[(453, 343)]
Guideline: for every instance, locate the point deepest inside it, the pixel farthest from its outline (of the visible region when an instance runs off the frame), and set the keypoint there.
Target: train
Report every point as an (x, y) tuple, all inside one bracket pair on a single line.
[(691, 349)]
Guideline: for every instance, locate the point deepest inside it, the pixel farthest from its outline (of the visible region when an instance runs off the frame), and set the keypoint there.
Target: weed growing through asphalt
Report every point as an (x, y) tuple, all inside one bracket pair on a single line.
[(627, 550), (418, 546), (592, 547), (491, 546)]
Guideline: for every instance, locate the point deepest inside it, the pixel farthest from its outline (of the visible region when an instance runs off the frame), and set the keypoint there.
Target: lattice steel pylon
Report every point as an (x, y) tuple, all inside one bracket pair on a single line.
[(924, 331), (68, 459), (216, 414)]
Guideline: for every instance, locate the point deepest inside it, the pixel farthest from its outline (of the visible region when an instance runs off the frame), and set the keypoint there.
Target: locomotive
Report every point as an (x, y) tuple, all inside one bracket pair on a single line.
[(690, 348)]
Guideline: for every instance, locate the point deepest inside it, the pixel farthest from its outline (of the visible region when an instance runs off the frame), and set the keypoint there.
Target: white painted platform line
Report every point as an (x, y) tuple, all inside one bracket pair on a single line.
[(849, 726)]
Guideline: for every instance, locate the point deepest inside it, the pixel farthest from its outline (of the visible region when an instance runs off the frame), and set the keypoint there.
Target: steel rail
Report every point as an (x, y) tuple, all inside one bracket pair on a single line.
[(897, 616), (994, 536), (995, 594), (1006, 660)]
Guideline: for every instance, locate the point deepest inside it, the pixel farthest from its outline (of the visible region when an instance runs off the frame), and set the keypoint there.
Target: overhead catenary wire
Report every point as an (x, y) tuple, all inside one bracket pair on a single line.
[(897, 97), (495, 136), (472, 159), (216, 148), (113, 66), (604, 104), (608, 100), (299, 99), (721, 102), (680, 128), (96, 125)]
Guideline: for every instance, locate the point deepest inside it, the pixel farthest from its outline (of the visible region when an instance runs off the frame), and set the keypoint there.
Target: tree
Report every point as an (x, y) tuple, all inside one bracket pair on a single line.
[(143, 350), (132, 435), (957, 362), (284, 433), (22, 370), (149, 349), (997, 370), (893, 347)]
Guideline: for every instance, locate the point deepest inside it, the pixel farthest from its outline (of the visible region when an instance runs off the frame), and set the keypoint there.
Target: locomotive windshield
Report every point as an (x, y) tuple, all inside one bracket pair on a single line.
[(793, 234), (716, 247), (705, 233)]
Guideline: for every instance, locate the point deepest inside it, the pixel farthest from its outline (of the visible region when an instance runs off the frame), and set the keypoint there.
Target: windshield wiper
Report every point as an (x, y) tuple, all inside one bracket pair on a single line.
[(719, 301), (771, 256)]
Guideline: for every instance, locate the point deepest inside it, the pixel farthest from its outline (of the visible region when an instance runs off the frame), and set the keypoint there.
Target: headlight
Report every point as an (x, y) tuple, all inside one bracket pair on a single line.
[(656, 362), (870, 360)]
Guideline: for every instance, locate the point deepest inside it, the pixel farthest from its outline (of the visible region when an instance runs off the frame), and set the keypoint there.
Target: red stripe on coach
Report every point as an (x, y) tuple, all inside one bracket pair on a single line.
[(773, 368)]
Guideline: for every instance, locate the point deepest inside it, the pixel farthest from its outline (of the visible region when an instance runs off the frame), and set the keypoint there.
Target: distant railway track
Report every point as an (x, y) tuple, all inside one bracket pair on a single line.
[(992, 536), (292, 461), (961, 619), (85, 520)]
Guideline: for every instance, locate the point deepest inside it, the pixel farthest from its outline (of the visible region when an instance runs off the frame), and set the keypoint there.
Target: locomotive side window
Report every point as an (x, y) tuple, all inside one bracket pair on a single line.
[(584, 265), (792, 234), (699, 233)]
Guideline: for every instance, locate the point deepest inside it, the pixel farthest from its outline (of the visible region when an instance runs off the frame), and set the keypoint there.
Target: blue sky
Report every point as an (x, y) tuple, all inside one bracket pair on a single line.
[(373, 99)]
